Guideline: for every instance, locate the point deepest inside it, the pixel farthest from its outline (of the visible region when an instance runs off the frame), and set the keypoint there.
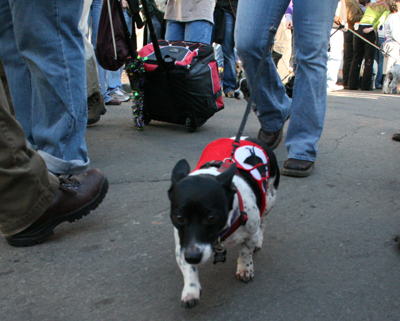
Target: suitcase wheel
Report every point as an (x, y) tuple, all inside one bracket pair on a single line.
[(191, 128), (146, 119)]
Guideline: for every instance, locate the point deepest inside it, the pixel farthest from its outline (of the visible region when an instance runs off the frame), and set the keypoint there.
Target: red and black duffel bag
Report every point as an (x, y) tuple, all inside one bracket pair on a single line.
[(181, 84)]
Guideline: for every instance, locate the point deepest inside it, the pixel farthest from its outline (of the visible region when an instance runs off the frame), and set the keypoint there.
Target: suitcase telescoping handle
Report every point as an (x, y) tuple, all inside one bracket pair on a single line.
[(153, 36)]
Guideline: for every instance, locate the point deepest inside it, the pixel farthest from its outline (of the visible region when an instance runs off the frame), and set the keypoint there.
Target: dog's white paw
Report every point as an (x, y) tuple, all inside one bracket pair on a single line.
[(245, 275), (191, 297)]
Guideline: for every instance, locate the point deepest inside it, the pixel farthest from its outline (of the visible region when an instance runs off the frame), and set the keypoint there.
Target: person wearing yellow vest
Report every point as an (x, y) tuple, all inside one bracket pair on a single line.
[(374, 16)]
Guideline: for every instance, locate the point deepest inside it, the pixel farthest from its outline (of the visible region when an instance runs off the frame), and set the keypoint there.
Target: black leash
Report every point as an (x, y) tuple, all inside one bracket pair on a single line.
[(271, 36)]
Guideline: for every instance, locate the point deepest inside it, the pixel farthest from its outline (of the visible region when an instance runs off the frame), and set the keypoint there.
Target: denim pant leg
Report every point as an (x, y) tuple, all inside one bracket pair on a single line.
[(114, 80), (16, 69), (312, 22), (26, 187), (94, 19), (253, 22), (175, 31), (52, 46), (228, 44), (198, 31), (158, 29)]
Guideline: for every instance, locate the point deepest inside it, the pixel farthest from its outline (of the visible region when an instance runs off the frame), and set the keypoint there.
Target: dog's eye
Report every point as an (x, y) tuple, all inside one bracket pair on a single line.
[(179, 218), (212, 218)]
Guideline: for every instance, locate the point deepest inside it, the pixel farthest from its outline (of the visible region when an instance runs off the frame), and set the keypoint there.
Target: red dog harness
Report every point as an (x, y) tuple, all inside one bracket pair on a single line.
[(218, 154)]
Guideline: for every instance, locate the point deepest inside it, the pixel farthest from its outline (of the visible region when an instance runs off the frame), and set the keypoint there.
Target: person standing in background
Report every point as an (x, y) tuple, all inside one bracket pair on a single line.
[(225, 16), (189, 20)]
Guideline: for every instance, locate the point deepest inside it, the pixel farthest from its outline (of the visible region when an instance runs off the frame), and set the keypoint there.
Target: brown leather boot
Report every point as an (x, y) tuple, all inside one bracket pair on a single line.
[(297, 167), (96, 108), (76, 197), (271, 139)]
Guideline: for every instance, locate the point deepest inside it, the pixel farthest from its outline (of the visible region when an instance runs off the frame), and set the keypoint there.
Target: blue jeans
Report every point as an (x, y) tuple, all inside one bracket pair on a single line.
[(312, 21), (379, 60), (195, 31), (44, 58), (228, 44), (158, 29)]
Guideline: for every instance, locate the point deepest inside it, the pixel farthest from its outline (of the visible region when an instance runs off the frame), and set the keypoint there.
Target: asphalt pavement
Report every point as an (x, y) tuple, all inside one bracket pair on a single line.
[(328, 253)]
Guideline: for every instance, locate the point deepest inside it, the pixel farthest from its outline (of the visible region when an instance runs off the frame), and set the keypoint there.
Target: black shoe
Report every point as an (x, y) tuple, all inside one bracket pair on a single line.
[(396, 136), (96, 108), (297, 168), (75, 198)]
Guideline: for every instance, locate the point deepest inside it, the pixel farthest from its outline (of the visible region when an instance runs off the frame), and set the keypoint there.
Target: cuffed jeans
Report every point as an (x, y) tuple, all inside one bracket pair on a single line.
[(312, 21), (44, 58), (26, 187)]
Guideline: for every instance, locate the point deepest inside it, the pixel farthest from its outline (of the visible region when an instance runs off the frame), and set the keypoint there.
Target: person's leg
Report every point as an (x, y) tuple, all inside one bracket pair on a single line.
[(114, 80), (253, 22), (26, 187), (369, 57), (198, 31), (16, 68), (347, 57), (94, 20), (392, 49), (379, 60), (53, 50), (175, 31), (158, 29), (335, 57), (312, 22), (228, 44), (358, 55)]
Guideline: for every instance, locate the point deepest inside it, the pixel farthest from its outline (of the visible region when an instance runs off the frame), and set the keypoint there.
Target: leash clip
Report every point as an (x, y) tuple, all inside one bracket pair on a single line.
[(219, 252)]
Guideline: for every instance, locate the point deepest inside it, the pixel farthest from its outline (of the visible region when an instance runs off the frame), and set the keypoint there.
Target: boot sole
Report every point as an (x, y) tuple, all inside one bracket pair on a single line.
[(296, 172), (46, 230), (92, 121)]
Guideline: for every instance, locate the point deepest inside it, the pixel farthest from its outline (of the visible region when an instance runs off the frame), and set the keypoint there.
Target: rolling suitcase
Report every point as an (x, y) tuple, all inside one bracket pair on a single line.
[(186, 89), (175, 82)]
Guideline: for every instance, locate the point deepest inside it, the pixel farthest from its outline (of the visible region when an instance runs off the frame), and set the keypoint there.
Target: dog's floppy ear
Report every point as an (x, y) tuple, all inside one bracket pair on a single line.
[(180, 171), (225, 178)]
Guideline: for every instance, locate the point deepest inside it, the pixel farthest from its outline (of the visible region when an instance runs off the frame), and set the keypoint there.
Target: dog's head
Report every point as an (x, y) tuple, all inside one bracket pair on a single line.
[(200, 206)]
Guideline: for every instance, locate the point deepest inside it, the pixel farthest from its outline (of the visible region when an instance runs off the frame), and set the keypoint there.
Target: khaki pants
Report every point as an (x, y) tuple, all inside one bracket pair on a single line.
[(26, 187), (283, 45)]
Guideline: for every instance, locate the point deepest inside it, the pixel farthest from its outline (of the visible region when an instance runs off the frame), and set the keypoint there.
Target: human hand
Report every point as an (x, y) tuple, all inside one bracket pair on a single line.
[(289, 24), (125, 4), (368, 30)]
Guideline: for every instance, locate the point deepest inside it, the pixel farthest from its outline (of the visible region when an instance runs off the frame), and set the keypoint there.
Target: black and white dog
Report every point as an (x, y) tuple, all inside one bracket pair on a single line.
[(220, 199)]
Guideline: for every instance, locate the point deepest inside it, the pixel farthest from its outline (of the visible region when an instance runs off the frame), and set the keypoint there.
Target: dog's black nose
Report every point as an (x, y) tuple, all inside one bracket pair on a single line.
[(193, 257)]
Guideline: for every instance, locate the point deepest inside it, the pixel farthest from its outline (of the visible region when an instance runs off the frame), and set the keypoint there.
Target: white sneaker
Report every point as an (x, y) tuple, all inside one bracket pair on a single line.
[(121, 95), (334, 88)]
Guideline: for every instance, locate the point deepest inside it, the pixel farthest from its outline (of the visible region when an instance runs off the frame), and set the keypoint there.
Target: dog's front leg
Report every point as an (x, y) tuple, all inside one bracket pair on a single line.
[(192, 288), (245, 267)]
